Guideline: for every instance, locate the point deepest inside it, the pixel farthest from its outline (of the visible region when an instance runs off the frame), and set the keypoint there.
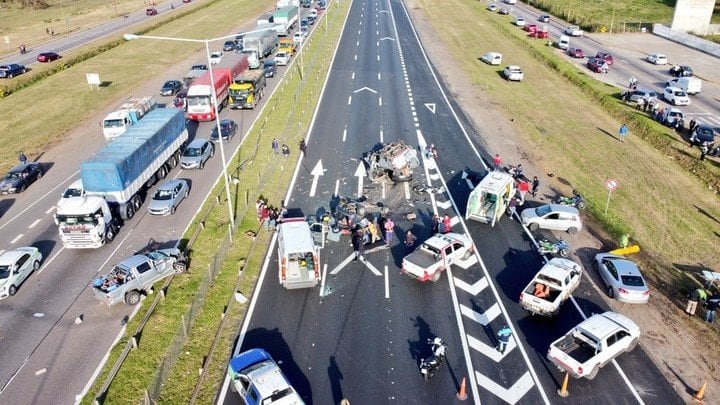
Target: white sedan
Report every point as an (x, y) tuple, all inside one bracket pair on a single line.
[(215, 57), (657, 59), (15, 266), (513, 73), (552, 216), (675, 96), (492, 58), (282, 58), (520, 22)]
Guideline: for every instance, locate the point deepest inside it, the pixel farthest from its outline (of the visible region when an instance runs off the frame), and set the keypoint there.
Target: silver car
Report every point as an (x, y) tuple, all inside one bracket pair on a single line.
[(622, 278), (168, 196), (15, 266), (552, 216), (197, 153)]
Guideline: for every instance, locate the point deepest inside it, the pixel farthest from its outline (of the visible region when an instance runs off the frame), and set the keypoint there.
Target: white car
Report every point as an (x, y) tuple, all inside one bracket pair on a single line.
[(514, 73), (510, 1), (313, 13), (15, 266), (657, 59), (520, 22), (492, 58), (622, 278), (282, 58), (574, 31), (298, 38), (215, 57), (552, 216), (675, 96)]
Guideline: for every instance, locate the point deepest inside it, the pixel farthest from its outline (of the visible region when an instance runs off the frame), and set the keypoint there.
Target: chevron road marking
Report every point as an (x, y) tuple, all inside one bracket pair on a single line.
[(510, 395), (465, 264), (491, 352), (481, 318), (467, 180), (372, 268), (474, 289), (444, 204), (344, 263), (433, 176), (454, 221)]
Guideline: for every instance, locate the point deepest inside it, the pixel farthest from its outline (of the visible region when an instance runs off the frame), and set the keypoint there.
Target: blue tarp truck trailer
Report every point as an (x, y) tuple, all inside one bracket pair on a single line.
[(114, 178)]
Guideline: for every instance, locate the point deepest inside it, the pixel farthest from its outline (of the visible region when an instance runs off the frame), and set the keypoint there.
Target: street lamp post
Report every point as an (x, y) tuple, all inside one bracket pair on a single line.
[(215, 102)]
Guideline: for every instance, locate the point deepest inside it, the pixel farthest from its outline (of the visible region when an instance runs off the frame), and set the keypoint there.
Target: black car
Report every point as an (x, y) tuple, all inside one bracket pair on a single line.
[(11, 70), (228, 127), (681, 71), (170, 88), (20, 177), (269, 67), (229, 46), (703, 134)]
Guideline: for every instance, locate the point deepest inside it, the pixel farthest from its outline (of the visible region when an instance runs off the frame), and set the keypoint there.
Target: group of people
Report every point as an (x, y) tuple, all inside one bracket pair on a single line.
[(367, 232), (700, 296), (269, 217)]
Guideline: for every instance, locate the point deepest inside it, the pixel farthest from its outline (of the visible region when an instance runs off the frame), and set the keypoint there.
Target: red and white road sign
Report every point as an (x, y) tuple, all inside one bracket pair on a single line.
[(611, 184)]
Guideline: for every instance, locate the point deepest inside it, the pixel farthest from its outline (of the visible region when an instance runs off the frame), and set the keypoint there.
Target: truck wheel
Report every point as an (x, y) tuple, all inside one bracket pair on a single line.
[(572, 230), (593, 373), (36, 265), (173, 161), (172, 210), (132, 297), (22, 188), (180, 267), (162, 172), (136, 202), (533, 226), (129, 211), (12, 290), (564, 252), (109, 234), (202, 163), (581, 205), (467, 254)]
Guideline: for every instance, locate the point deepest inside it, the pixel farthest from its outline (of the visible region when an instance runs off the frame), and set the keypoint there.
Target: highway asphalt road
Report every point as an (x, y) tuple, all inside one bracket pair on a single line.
[(361, 335), (47, 357)]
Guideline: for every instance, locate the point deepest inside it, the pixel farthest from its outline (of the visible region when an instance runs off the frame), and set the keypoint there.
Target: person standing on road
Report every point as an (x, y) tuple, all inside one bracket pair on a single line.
[(512, 207), (410, 240), (497, 160), (435, 224), (276, 146), (535, 186), (303, 147), (503, 338), (623, 132), (389, 228), (523, 188), (447, 224), (22, 158)]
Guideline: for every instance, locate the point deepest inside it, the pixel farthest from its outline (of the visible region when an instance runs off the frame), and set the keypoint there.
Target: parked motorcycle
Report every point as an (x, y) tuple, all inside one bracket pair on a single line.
[(424, 188), (429, 365), (559, 247), (576, 200)]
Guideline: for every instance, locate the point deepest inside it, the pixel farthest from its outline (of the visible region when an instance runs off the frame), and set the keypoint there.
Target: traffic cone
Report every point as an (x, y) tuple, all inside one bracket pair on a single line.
[(700, 393), (461, 395), (563, 392)]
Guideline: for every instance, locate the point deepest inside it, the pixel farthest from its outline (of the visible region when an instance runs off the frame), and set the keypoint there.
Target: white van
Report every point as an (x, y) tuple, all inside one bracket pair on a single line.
[(691, 85), (564, 42), (298, 256)]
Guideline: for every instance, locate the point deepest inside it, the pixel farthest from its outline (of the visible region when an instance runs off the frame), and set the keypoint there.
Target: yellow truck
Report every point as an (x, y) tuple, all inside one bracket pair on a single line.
[(247, 89), (286, 44)]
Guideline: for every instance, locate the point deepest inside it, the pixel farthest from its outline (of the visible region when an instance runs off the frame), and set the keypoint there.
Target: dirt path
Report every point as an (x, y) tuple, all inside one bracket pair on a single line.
[(685, 349)]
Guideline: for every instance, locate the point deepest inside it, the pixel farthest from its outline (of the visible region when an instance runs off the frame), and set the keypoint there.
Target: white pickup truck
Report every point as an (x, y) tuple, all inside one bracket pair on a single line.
[(435, 255), (594, 343), (551, 286)]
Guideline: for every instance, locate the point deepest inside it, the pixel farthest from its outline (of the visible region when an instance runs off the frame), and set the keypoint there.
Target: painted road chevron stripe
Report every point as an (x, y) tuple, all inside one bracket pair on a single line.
[(491, 352), (481, 318), (474, 289), (510, 395)]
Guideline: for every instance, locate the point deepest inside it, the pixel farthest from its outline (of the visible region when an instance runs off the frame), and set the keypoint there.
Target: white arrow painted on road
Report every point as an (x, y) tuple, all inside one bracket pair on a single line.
[(431, 107), (365, 88), (510, 395), (384, 38), (467, 180), (491, 352), (360, 173), (474, 289), (344, 263), (481, 318), (316, 173)]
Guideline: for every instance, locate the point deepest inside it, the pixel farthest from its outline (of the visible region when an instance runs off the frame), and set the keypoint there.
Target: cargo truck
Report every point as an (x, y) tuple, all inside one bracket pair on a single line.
[(127, 114), (200, 106), (265, 19), (264, 40), (285, 19), (248, 89), (195, 71), (115, 179), (489, 200), (285, 3)]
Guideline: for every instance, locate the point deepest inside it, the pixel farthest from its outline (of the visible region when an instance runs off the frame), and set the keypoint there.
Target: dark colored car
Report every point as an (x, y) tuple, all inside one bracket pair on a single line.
[(504, 11), (304, 23), (597, 65), (229, 46), (703, 134), (11, 70), (20, 177), (269, 67), (606, 57), (151, 11), (681, 71), (47, 57), (181, 100), (306, 3), (576, 52), (544, 18), (186, 1), (228, 127), (170, 88)]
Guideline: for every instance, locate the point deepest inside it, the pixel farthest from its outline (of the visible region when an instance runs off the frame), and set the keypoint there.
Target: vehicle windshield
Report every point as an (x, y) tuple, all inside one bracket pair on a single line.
[(192, 152), (542, 211), (679, 93), (113, 123), (239, 93), (278, 395), (76, 220), (705, 132), (13, 176), (72, 192), (162, 195), (431, 249), (632, 281), (4, 272), (198, 101), (157, 255)]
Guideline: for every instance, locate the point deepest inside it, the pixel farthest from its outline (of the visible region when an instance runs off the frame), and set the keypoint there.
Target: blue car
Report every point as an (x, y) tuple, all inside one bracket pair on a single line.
[(258, 380), (11, 70)]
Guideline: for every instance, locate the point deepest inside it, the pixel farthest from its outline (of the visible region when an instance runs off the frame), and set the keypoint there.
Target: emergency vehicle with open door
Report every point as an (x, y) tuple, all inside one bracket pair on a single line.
[(298, 255), (489, 200)]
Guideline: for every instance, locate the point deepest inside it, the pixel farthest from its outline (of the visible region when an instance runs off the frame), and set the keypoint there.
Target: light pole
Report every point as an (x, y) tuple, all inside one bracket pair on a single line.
[(215, 102)]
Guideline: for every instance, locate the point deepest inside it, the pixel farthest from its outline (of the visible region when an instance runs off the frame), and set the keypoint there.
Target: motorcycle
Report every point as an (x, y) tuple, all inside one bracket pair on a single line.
[(559, 247), (423, 188), (576, 200), (429, 365)]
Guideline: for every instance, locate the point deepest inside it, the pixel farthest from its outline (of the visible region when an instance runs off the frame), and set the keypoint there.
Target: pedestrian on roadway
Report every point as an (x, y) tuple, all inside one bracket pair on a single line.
[(512, 207), (447, 224), (712, 306), (503, 338), (523, 188), (410, 240), (22, 158), (389, 229), (535, 186), (435, 224), (497, 160)]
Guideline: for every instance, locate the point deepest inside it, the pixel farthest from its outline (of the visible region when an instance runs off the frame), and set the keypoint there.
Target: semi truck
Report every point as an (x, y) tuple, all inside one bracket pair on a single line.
[(113, 180), (127, 114), (247, 89), (489, 200), (200, 106), (285, 19), (264, 40)]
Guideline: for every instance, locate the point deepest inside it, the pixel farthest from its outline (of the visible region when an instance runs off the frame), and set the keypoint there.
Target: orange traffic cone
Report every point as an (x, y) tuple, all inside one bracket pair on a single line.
[(563, 392), (461, 395), (700, 393)]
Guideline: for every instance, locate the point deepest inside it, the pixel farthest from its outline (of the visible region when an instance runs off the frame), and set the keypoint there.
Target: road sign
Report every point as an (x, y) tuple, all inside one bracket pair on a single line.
[(611, 184)]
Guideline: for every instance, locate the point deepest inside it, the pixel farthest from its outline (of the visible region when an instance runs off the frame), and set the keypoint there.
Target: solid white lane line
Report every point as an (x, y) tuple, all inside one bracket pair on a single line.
[(17, 238), (47, 262), (387, 283), (37, 221), (322, 282)]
